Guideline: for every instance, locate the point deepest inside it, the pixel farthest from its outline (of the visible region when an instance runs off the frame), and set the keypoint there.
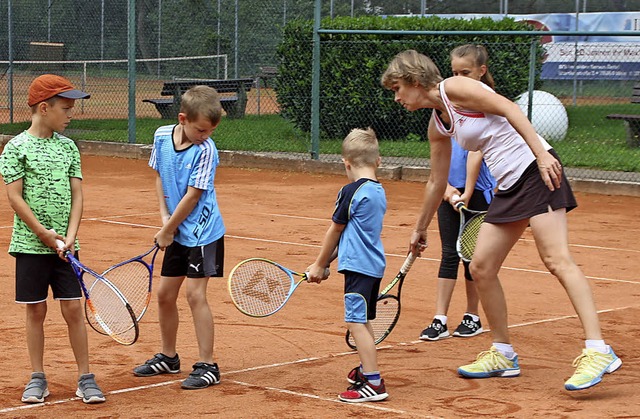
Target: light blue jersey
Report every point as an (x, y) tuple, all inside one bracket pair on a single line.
[(361, 205), (194, 166)]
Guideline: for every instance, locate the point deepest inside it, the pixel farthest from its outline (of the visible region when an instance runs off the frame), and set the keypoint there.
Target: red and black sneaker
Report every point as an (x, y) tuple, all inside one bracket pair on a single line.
[(364, 392), (355, 376)]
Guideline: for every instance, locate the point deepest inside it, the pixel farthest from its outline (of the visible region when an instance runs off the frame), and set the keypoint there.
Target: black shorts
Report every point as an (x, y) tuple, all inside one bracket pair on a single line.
[(360, 297), (36, 273), (194, 262), (529, 197)]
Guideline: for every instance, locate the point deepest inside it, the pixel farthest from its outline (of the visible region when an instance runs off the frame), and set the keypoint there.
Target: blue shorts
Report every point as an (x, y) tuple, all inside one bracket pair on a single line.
[(35, 273), (360, 297), (194, 262)]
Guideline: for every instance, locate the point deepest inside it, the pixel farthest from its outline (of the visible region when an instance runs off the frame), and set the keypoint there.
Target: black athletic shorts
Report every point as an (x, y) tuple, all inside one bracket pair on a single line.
[(360, 297), (35, 273), (194, 262)]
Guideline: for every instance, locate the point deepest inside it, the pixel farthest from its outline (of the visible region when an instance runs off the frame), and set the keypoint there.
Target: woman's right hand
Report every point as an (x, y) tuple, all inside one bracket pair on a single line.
[(418, 242)]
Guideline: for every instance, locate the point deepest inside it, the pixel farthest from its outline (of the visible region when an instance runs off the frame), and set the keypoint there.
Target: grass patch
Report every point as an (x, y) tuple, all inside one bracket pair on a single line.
[(592, 141)]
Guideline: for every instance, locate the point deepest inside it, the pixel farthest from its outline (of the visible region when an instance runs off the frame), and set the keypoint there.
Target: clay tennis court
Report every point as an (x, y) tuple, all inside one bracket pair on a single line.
[(294, 364)]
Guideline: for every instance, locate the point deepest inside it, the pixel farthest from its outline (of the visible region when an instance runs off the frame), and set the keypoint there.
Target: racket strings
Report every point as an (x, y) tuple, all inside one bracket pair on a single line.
[(387, 310), (133, 280), (111, 313), (259, 288), (469, 236)]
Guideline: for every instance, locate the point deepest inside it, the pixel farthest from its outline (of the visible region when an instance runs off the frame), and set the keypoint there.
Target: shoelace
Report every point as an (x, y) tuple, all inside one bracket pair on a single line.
[(584, 361), (490, 357)]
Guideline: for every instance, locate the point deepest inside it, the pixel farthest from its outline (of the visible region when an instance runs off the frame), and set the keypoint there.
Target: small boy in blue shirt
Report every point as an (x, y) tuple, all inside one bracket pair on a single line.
[(354, 236), (192, 233)]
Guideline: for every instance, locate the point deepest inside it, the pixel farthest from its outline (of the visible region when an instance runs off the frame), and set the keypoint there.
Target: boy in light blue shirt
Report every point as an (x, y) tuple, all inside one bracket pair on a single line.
[(354, 236), (192, 233)]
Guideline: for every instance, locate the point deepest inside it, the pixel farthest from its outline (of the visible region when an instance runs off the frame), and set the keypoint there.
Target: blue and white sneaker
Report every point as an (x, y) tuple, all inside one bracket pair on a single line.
[(591, 365), (491, 363)]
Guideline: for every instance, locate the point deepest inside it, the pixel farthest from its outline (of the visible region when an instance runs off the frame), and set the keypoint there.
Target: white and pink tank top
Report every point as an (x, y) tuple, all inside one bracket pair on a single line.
[(504, 150)]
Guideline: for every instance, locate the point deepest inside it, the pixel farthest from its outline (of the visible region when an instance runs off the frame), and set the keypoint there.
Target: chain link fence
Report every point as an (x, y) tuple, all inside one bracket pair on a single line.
[(238, 39)]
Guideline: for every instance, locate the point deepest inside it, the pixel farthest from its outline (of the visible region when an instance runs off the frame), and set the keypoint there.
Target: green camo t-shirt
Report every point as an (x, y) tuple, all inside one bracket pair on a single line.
[(45, 166)]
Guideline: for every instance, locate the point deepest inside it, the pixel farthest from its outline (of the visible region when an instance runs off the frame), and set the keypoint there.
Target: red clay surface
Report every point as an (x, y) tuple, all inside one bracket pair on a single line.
[(294, 363)]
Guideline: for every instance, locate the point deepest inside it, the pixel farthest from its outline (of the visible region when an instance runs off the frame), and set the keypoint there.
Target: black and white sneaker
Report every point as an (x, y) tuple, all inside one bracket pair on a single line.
[(159, 364), (435, 331), (468, 327), (203, 375)]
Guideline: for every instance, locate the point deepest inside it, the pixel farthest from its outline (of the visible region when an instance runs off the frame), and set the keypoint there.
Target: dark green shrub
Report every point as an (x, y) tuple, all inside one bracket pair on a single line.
[(351, 65)]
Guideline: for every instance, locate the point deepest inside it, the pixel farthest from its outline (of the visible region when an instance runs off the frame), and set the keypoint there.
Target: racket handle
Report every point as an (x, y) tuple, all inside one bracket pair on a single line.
[(60, 244), (460, 203)]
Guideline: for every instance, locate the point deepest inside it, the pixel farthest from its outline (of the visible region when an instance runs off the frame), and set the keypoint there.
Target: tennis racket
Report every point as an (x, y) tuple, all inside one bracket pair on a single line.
[(387, 307), (470, 222), (133, 278), (260, 287), (108, 306)]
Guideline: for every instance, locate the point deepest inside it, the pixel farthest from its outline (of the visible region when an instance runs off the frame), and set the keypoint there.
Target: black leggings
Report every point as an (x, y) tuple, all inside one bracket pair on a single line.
[(449, 224)]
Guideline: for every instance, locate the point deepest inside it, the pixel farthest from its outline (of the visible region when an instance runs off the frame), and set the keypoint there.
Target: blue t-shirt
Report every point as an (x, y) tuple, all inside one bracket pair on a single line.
[(458, 172), (361, 205), (194, 166)]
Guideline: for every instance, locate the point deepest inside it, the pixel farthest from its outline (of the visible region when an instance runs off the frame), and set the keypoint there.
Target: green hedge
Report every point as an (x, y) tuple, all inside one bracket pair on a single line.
[(351, 65)]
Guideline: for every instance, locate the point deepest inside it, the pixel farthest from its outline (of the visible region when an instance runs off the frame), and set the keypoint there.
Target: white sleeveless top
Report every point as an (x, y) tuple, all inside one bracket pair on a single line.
[(504, 150)]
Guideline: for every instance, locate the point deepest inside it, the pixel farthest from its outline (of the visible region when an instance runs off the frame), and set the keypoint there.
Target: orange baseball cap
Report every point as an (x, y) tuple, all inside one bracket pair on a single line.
[(49, 85)]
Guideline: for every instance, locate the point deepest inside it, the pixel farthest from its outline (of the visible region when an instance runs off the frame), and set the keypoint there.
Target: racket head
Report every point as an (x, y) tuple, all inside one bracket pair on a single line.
[(387, 315), (134, 278), (109, 309), (468, 235), (260, 287), (387, 306)]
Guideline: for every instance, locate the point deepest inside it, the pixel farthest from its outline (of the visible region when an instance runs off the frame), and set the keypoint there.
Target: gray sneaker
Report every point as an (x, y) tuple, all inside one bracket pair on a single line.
[(36, 389), (89, 390)]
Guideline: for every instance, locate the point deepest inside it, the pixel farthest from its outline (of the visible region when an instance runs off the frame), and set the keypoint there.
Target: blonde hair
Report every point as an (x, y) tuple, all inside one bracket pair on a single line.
[(479, 57), (411, 67), (202, 101), (360, 148)]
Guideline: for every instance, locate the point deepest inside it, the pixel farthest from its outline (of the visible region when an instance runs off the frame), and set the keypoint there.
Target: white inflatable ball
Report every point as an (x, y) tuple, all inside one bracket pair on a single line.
[(548, 116)]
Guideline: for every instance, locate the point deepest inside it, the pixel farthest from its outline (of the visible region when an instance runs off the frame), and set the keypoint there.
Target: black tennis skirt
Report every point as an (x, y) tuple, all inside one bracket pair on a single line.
[(529, 197)]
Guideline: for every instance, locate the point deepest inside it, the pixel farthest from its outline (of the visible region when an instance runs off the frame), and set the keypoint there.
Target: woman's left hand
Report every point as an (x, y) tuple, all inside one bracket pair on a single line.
[(550, 170)]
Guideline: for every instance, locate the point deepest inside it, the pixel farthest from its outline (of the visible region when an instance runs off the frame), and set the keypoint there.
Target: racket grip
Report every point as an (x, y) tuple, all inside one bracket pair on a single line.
[(459, 203), (408, 263), (60, 244)]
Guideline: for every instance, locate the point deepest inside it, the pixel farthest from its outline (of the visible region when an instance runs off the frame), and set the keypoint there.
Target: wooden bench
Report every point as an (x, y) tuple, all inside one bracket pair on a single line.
[(233, 105), (631, 121)]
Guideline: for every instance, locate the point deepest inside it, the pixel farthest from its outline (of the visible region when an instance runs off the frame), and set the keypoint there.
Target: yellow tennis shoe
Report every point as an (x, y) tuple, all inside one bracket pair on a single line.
[(591, 365), (491, 363)]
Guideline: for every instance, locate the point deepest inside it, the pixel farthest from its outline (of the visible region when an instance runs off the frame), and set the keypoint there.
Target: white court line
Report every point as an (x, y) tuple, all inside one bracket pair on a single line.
[(305, 360), (386, 254), (595, 278), (301, 361), (521, 239), (335, 400)]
